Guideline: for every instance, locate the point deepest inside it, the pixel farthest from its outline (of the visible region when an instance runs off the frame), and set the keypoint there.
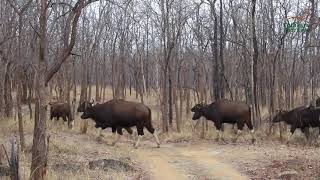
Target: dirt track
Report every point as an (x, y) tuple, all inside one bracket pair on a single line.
[(186, 162), (211, 160), (170, 161), (206, 159)]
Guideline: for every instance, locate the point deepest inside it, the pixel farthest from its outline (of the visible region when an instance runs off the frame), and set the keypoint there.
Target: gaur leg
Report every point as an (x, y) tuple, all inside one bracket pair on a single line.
[(222, 132), (218, 126), (234, 128), (65, 120), (222, 127), (140, 134), (114, 129), (292, 129), (306, 132), (55, 120), (70, 121), (240, 125), (99, 130), (99, 133), (250, 126), (153, 132), (118, 134), (129, 130)]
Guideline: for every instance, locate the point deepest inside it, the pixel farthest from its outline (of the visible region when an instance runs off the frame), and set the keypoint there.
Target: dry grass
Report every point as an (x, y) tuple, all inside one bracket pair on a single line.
[(70, 152)]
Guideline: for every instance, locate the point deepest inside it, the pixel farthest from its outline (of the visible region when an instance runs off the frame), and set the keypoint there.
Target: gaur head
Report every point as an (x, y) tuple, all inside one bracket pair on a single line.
[(83, 105), (198, 110), (88, 113), (279, 116)]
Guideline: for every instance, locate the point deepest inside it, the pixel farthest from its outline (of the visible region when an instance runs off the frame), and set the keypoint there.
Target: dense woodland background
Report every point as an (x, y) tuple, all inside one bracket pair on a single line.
[(180, 51)]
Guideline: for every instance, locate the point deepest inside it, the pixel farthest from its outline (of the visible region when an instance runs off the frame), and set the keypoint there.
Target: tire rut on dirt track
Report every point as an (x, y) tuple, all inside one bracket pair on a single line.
[(188, 162)]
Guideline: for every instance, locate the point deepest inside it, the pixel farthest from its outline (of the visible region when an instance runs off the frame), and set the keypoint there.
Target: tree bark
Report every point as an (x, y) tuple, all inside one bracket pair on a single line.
[(7, 91), (19, 111), (39, 160), (254, 64)]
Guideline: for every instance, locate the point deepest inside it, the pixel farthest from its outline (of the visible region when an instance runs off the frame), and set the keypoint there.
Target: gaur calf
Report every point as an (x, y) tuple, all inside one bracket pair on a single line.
[(63, 110)]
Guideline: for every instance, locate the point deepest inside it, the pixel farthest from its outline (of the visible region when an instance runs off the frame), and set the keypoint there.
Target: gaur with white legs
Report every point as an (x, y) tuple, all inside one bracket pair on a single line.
[(119, 114), (81, 108), (225, 111), (301, 117)]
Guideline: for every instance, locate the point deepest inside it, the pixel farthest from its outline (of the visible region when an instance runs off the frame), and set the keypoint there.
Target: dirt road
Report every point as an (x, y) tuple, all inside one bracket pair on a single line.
[(173, 161), (176, 161), (201, 159)]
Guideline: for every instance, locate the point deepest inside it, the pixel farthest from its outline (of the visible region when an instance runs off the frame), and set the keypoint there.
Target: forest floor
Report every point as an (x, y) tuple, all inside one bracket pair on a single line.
[(82, 156)]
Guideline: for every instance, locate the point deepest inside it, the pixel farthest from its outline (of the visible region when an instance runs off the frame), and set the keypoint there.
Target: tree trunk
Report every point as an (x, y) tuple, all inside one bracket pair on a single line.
[(187, 95), (214, 48), (39, 147), (84, 94), (165, 110), (254, 64), (97, 81), (7, 92), (170, 100), (20, 120), (221, 67)]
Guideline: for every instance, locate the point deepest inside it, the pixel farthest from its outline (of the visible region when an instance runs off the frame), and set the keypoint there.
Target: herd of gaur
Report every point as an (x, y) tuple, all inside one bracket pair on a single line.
[(119, 114)]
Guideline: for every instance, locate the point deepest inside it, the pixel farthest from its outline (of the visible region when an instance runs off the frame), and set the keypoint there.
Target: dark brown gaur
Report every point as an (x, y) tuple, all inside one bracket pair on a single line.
[(299, 118), (120, 113), (83, 105), (61, 109), (225, 111)]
